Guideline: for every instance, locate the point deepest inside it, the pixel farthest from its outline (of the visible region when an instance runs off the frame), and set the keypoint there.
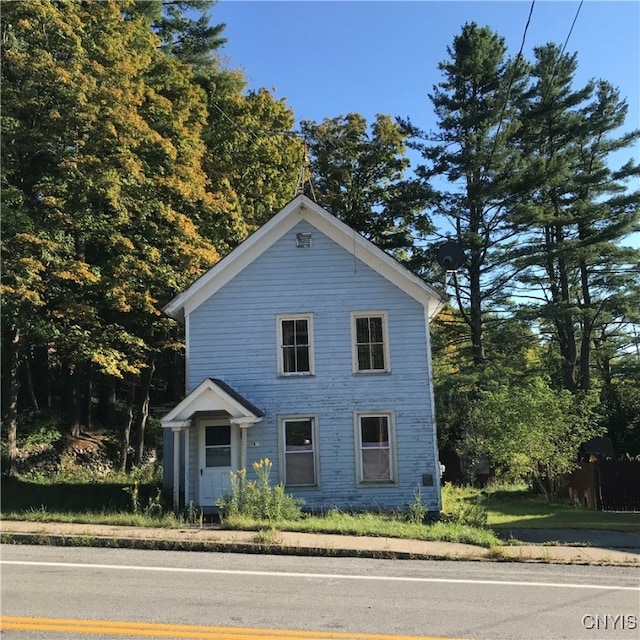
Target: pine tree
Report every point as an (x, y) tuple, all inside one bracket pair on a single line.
[(578, 208), (474, 158)]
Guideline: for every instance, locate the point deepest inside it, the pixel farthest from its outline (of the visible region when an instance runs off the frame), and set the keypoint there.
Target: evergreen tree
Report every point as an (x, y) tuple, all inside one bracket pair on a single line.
[(475, 160), (578, 209), (184, 28)]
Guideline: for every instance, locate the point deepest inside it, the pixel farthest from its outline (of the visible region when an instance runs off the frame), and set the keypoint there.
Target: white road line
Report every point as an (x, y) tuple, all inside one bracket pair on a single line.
[(320, 576)]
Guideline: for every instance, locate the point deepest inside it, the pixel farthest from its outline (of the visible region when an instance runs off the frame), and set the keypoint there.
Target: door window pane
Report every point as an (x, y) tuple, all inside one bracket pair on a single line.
[(218, 446), (218, 435), (218, 457)]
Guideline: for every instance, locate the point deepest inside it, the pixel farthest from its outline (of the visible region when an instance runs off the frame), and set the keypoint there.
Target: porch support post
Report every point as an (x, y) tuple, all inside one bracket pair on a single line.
[(176, 427), (186, 468), (243, 424), (243, 446), (176, 468)]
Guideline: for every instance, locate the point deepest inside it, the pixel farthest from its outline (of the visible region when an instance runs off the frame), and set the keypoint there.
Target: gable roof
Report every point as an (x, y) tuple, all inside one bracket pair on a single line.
[(298, 209), (213, 395)]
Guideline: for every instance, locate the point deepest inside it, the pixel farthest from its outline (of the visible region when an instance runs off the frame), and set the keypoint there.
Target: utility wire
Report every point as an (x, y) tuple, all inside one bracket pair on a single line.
[(571, 29), (511, 81), (564, 46)]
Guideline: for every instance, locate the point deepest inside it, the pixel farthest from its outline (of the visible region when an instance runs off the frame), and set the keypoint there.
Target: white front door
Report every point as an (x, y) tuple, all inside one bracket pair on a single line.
[(217, 457)]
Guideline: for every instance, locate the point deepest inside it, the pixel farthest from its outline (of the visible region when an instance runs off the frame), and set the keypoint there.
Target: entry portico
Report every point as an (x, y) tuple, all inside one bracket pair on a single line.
[(221, 417)]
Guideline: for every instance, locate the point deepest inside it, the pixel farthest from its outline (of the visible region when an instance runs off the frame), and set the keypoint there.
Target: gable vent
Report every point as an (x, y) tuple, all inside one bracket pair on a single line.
[(303, 240)]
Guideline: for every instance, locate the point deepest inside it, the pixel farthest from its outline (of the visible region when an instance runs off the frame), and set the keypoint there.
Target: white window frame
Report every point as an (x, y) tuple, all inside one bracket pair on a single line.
[(392, 447), (280, 318), (282, 441), (355, 315)]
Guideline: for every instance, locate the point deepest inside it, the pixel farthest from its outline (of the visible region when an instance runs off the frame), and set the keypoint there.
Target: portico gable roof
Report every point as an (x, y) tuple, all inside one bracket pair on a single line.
[(212, 395)]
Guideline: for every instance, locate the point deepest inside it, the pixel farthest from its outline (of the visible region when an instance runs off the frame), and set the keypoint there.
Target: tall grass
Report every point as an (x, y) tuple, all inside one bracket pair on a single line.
[(377, 525), (256, 504), (258, 499)]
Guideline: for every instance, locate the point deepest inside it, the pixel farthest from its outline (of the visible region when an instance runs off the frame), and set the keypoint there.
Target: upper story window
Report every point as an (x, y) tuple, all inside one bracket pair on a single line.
[(295, 345), (370, 343)]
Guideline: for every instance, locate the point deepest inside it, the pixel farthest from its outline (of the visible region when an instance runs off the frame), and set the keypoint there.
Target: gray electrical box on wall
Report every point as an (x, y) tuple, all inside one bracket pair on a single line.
[(427, 480)]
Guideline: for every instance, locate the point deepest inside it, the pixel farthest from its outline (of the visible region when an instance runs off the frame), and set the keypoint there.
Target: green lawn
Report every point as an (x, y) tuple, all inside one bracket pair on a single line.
[(518, 508), (111, 503)]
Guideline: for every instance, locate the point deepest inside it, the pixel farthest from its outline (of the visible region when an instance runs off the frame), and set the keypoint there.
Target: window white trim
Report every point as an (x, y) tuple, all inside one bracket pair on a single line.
[(283, 420), (280, 318), (355, 316), (391, 447)]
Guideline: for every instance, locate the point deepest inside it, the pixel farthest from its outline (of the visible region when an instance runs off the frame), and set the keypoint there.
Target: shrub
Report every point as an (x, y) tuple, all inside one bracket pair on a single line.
[(416, 512), (462, 506), (154, 508), (257, 499)]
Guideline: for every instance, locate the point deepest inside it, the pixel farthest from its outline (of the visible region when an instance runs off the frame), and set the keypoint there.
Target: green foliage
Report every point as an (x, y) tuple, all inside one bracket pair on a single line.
[(463, 506), (150, 473), (35, 431), (473, 155), (154, 507), (577, 211), (359, 176), (249, 152), (534, 432), (622, 414), (258, 499), (416, 511)]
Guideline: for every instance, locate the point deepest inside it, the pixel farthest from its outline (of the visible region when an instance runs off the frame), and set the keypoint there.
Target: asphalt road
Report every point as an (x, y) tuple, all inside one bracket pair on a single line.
[(235, 595)]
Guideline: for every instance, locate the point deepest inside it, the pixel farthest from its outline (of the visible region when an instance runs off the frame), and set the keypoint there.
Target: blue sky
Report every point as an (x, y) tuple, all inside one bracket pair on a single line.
[(330, 58)]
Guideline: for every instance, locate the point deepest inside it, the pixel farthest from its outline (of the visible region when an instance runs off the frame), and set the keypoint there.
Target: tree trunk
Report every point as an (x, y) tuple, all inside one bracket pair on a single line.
[(566, 329), (33, 398), (89, 398), (176, 377), (571, 352), (126, 432), (144, 409), (587, 328), (40, 375), (111, 410), (477, 337), (12, 355), (476, 217), (76, 405)]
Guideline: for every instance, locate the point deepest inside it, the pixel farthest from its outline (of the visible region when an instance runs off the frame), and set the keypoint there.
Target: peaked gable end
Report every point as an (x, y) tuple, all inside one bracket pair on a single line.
[(302, 208)]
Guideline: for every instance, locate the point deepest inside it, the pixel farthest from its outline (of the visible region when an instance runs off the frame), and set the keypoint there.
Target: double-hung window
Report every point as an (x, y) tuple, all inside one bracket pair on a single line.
[(370, 344), (299, 451), (295, 345), (375, 441)]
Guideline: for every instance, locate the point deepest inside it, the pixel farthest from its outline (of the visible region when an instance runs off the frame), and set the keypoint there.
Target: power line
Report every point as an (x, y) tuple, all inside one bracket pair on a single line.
[(511, 81), (571, 29)]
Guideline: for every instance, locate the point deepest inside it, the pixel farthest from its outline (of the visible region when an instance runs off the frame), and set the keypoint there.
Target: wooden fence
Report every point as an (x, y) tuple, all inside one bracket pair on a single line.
[(608, 485)]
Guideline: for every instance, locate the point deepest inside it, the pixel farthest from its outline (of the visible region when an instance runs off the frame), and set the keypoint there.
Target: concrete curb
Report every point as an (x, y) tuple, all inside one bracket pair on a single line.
[(301, 544)]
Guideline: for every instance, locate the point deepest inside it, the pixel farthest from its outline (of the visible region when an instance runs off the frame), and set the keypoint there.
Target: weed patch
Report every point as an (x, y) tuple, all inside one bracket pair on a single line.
[(258, 499)]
